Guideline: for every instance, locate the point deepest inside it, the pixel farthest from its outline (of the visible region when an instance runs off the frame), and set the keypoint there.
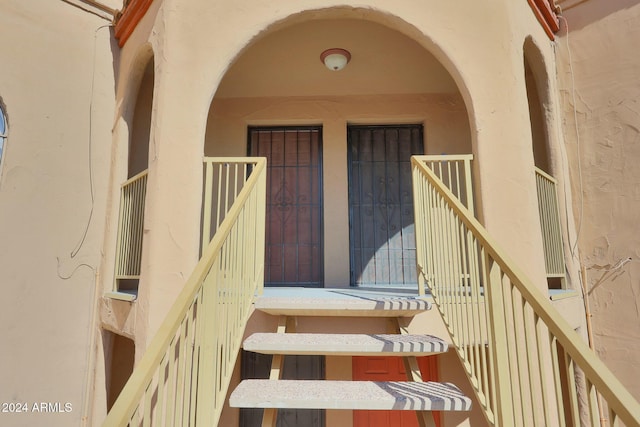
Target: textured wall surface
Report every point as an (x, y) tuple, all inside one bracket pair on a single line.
[(598, 71), (57, 84)]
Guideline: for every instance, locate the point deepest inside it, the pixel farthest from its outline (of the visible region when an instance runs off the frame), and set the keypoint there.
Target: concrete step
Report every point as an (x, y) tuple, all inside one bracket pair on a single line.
[(342, 304), (345, 344), (367, 395)]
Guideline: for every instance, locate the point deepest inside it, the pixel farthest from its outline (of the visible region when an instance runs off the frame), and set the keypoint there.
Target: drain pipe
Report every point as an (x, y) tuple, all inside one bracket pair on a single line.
[(89, 392), (604, 421)]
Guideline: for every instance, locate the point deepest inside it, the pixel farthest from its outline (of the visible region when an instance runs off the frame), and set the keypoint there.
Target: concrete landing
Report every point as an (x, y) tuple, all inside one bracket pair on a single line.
[(339, 302), (367, 395), (345, 344)]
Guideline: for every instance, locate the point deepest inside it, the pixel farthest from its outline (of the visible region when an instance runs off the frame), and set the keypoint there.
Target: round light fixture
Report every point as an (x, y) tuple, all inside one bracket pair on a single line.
[(335, 58)]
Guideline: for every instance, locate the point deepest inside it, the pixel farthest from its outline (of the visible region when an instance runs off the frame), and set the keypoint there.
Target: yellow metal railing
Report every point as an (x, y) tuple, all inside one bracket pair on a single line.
[(130, 228), (525, 363), (224, 177), (454, 170), (183, 377), (550, 224)]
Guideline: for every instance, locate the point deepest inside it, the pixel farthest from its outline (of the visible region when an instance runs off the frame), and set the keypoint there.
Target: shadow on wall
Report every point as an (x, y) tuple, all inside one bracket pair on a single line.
[(581, 13), (389, 262)]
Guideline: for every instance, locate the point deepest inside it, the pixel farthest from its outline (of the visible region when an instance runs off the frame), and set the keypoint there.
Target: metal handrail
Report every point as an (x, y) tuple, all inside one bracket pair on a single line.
[(454, 170), (527, 366), (224, 177), (183, 377)]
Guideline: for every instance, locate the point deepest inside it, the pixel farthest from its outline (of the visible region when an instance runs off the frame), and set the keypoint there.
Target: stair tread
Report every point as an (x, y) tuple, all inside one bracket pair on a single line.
[(351, 344), (342, 305), (366, 395)]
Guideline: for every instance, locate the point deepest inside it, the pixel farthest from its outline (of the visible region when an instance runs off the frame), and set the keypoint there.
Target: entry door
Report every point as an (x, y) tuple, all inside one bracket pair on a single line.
[(382, 239), (294, 253), (382, 368)]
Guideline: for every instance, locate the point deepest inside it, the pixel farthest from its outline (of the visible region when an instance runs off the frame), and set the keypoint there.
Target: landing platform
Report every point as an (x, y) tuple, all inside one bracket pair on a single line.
[(341, 302)]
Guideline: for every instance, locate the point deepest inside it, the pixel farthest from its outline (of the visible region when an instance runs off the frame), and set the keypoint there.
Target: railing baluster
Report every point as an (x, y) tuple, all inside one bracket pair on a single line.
[(449, 265), (468, 185), (468, 301), (135, 418), (495, 298), (419, 229), (146, 420), (520, 373), (193, 402), (218, 195), (512, 350), (173, 377), (532, 352), (557, 359), (206, 204), (569, 367), (546, 368), (613, 419), (481, 320), (592, 397)]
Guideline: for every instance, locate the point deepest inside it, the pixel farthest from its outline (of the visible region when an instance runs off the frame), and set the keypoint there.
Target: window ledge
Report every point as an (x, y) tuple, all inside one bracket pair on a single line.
[(129, 296), (558, 294)]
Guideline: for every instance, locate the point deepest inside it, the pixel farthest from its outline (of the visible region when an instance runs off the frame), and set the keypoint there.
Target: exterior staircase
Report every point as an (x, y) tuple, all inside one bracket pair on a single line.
[(412, 395)]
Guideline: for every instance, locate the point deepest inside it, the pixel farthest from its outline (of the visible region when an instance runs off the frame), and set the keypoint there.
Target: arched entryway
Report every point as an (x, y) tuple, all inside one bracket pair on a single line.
[(279, 85)]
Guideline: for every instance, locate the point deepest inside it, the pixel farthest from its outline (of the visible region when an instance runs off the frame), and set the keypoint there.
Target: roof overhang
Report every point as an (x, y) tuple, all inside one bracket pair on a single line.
[(129, 18), (545, 12), (134, 10)]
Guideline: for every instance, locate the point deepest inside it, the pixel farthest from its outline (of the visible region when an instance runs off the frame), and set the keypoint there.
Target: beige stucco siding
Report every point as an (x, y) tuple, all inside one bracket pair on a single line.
[(598, 70), (57, 83)]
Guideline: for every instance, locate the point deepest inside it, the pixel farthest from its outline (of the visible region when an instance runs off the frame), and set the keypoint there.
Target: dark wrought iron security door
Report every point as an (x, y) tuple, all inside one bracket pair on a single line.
[(382, 240), (294, 254)]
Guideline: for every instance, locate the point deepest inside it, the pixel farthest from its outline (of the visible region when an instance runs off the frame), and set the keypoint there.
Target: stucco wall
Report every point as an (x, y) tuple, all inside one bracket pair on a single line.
[(598, 69), (57, 83)]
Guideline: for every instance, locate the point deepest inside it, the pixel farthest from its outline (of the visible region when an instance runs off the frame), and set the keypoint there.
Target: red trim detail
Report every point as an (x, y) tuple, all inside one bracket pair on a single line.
[(128, 21), (546, 16)]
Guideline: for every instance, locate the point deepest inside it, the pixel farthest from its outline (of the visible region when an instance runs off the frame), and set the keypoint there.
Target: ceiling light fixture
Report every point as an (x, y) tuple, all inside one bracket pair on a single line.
[(335, 58)]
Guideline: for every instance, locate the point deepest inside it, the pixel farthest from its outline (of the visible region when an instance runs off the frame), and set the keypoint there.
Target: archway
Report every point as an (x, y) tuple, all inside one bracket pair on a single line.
[(537, 86), (278, 94), (279, 80)]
